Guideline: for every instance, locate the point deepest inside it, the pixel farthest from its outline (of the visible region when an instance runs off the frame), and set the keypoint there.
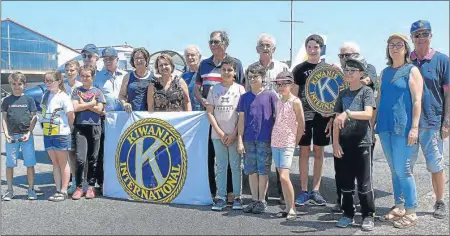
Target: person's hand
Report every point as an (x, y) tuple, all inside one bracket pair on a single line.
[(26, 136), (240, 148), (230, 140), (337, 150), (8, 138), (366, 81), (340, 120), (329, 128), (413, 136), (127, 107), (444, 132)]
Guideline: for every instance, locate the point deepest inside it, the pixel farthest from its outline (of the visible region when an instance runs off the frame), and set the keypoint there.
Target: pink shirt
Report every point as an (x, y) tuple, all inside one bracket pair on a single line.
[(284, 130)]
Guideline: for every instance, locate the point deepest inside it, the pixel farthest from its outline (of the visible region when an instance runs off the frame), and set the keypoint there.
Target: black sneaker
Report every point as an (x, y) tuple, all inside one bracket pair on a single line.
[(316, 199), (440, 210), (249, 207), (260, 208)]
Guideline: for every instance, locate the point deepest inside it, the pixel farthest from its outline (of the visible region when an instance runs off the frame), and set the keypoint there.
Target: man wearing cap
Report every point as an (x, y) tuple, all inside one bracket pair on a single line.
[(109, 80), (435, 118), (90, 54)]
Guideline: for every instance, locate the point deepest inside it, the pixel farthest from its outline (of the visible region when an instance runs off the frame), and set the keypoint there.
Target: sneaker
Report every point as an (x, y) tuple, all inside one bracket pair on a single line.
[(249, 207), (337, 208), (316, 199), (219, 205), (237, 204), (302, 198), (344, 222), (90, 193), (60, 197), (440, 210), (368, 224), (72, 188), (77, 194), (260, 208), (52, 197), (9, 194), (32, 194)]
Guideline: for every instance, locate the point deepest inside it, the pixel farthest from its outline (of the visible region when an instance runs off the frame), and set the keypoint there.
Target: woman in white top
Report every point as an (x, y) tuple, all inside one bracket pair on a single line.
[(57, 119)]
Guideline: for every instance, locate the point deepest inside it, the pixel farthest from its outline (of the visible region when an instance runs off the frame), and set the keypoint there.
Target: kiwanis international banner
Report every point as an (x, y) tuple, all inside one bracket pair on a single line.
[(157, 157)]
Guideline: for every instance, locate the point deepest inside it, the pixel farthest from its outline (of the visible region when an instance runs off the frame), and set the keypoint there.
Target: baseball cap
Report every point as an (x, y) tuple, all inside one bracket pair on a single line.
[(398, 35), (109, 52), (420, 25), (90, 48), (358, 61), (284, 76)]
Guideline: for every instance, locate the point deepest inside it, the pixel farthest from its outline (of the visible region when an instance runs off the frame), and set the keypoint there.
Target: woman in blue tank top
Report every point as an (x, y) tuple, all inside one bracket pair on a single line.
[(133, 93), (397, 122)]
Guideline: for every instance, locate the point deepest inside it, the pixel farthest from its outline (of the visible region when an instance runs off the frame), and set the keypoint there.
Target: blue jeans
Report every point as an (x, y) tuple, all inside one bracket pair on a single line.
[(223, 156), (399, 157), (432, 148)]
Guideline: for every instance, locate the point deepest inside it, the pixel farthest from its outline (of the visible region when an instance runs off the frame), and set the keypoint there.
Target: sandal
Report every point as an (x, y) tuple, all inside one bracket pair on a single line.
[(394, 214), (291, 216), (281, 214), (405, 222), (53, 197), (61, 197)]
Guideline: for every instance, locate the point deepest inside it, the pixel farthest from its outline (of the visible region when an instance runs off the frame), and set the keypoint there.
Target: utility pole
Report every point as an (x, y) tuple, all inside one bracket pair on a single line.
[(291, 21)]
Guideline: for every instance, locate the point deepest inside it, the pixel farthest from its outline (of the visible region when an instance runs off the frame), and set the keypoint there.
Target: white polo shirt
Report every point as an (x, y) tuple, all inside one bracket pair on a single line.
[(272, 70), (110, 85)]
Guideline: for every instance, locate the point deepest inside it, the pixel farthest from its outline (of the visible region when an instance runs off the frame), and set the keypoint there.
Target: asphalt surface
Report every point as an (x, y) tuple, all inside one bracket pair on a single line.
[(111, 216)]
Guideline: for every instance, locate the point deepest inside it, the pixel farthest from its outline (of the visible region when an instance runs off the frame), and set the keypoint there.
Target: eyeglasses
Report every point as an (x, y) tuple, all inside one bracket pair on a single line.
[(350, 71), (282, 84), (347, 55), (227, 70), (49, 81), (396, 45), (253, 77), (88, 56), (421, 35), (265, 45), (214, 42)]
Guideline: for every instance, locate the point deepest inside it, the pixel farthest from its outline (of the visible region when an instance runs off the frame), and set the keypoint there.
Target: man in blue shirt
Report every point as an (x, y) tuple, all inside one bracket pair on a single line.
[(192, 56), (435, 118)]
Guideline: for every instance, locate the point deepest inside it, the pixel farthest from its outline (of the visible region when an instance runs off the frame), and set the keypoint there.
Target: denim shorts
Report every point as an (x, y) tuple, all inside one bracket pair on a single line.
[(283, 157), (13, 151), (258, 158), (432, 148), (57, 142)]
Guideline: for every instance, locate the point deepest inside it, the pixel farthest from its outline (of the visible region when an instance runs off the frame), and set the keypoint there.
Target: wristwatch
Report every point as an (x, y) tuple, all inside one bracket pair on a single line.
[(447, 122), (348, 114)]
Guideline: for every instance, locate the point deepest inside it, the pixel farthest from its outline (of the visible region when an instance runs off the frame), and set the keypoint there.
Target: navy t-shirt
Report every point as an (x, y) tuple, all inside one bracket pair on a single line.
[(88, 117), (259, 115), (18, 113)]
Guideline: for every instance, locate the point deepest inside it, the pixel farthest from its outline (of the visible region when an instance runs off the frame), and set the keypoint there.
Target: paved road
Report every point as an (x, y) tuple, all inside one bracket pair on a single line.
[(109, 216)]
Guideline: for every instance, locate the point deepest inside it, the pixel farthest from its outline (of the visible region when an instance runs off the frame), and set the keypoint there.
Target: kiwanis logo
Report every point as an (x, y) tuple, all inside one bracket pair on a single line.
[(151, 161), (322, 88)]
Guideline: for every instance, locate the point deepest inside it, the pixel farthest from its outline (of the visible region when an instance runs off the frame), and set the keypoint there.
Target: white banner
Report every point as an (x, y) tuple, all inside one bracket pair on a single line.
[(157, 157)]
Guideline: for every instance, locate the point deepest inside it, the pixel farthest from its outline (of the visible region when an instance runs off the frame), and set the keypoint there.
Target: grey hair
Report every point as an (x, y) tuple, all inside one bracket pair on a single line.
[(195, 47), (352, 45), (223, 36), (268, 36)]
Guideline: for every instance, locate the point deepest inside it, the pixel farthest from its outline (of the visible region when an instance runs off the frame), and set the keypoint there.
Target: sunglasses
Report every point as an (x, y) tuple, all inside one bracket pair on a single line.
[(396, 45), (347, 55), (253, 77), (421, 35), (88, 56), (214, 42), (350, 71), (109, 58)]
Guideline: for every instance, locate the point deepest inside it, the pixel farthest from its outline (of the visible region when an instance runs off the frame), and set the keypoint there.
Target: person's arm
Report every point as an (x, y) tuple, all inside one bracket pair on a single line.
[(213, 121), (240, 143), (416, 89), (123, 99), (300, 116), (79, 104), (5, 127), (373, 121), (150, 100), (240, 73), (186, 98), (197, 88), (446, 119)]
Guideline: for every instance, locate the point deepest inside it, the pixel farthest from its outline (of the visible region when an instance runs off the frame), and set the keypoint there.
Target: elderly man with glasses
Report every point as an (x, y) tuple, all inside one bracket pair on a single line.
[(209, 74), (435, 117)]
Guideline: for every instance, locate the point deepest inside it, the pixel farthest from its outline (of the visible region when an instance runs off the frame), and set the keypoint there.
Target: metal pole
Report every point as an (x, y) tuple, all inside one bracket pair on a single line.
[(291, 21), (292, 7), (9, 49)]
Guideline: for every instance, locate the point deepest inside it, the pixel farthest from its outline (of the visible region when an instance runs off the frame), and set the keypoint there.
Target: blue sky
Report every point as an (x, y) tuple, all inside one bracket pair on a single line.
[(174, 25)]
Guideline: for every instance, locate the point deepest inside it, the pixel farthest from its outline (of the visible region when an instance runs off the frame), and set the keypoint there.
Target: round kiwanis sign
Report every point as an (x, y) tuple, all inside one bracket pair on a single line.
[(151, 161), (322, 88)]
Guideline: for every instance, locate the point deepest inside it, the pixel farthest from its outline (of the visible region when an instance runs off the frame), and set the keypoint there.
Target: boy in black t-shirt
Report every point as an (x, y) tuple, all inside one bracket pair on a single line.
[(19, 119), (352, 141), (317, 126)]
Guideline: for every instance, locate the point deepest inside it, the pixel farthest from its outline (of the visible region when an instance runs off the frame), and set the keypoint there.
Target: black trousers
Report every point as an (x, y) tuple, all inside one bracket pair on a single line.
[(356, 164), (337, 163), (88, 145), (212, 169), (99, 174)]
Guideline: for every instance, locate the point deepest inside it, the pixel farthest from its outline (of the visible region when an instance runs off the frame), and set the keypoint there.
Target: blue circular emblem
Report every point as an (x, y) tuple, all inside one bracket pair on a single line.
[(323, 87), (151, 161)]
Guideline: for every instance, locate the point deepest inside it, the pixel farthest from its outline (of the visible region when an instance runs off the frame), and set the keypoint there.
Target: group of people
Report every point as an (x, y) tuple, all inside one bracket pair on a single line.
[(256, 117)]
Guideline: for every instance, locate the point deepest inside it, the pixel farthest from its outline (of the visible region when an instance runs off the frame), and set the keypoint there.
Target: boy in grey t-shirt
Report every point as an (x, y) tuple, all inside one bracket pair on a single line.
[(19, 119), (352, 140)]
